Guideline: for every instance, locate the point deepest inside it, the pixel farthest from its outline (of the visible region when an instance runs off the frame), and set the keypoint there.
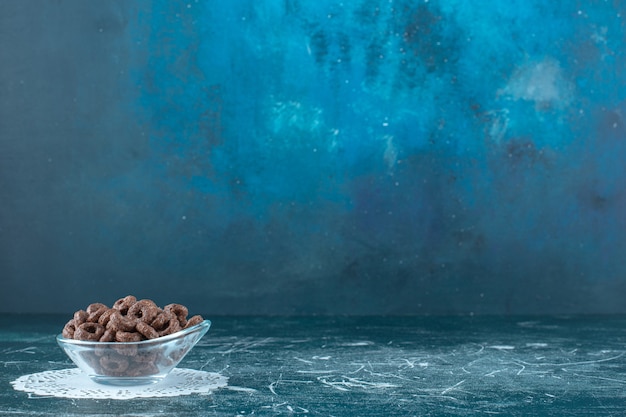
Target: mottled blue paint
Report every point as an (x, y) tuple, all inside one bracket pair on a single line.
[(403, 136), (369, 156)]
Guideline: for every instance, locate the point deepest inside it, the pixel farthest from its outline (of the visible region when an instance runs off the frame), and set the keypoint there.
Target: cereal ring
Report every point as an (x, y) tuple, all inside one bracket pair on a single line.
[(123, 336), (80, 317), (146, 330), (69, 329), (173, 327), (106, 316), (89, 331), (123, 304), (114, 363), (96, 310), (166, 323), (142, 369), (160, 321), (102, 349), (146, 357), (92, 308), (108, 336), (118, 322), (179, 310), (127, 349), (144, 310), (193, 321)]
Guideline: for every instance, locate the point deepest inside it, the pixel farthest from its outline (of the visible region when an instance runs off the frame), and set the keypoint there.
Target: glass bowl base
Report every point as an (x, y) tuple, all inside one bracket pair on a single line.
[(126, 381)]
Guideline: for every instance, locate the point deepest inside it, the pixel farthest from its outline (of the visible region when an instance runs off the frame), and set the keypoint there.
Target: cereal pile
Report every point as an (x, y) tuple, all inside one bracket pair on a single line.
[(129, 320)]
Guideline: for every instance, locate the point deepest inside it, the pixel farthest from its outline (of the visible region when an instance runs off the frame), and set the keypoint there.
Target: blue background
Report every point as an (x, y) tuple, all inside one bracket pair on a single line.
[(314, 157)]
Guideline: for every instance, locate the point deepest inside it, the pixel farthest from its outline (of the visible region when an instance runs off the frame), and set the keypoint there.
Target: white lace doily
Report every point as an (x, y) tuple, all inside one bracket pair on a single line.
[(73, 383)]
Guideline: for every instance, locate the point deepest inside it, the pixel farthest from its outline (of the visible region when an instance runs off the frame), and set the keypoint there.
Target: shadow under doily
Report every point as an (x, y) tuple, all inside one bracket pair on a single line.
[(73, 383)]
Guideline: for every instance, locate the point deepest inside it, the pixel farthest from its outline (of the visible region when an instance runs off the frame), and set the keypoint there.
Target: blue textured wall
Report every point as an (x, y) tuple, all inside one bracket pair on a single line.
[(366, 157)]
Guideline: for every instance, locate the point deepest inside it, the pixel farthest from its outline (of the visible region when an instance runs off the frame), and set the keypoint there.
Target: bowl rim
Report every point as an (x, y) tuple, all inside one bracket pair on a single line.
[(92, 343)]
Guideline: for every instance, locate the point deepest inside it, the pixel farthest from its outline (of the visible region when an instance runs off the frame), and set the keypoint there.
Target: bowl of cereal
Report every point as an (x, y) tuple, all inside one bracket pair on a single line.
[(133, 343)]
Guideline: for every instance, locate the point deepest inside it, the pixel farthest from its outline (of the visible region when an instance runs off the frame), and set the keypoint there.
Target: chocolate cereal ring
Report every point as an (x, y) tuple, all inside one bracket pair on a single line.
[(108, 336), (143, 310), (146, 330), (145, 357), (161, 320), (80, 317), (89, 331), (123, 304), (69, 329), (123, 336), (142, 369), (106, 316), (99, 350), (118, 323), (125, 348), (179, 310), (114, 363), (96, 310), (92, 308), (193, 321), (166, 323)]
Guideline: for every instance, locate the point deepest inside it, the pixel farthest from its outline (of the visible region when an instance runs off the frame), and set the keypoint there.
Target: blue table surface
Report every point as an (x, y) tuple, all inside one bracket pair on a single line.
[(361, 366)]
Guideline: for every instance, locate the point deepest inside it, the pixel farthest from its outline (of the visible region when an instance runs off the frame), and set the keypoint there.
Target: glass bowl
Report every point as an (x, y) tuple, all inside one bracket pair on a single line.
[(132, 363)]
